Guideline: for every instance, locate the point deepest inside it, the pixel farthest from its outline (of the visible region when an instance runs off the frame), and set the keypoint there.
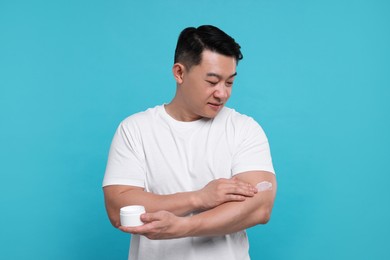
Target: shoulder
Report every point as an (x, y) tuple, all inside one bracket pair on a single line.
[(141, 118), (231, 116), (239, 125), (140, 123)]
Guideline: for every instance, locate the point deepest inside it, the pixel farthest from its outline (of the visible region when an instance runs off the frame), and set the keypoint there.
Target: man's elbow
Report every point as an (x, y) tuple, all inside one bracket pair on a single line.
[(264, 215), (113, 216), (115, 222)]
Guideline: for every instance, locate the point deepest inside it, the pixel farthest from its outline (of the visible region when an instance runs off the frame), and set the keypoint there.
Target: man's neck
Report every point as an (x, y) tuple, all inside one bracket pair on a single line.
[(179, 113)]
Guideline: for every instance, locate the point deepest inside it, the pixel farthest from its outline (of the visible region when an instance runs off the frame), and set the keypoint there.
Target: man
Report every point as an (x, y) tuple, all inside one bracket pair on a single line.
[(193, 163)]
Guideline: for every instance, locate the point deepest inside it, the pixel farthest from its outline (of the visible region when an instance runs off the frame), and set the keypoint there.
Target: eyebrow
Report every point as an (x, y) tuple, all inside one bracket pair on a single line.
[(212, 74)]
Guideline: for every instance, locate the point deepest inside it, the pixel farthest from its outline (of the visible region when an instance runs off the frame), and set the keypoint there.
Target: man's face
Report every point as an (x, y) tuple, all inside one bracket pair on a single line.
[(206, 87)]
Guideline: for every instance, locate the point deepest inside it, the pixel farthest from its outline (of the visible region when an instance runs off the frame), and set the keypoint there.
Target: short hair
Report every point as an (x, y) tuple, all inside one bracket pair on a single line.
[(193, 41)]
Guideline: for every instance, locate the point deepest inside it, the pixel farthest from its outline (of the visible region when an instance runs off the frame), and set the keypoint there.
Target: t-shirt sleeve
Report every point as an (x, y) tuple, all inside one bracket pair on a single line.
[(126, 164), (253, 151)]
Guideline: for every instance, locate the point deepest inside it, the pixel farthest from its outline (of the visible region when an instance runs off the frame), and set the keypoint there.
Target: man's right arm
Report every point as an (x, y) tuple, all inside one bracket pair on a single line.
[(213, 194)]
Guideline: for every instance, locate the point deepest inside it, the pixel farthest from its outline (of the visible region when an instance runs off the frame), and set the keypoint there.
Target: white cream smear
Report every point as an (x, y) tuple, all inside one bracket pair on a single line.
[(264, 185)]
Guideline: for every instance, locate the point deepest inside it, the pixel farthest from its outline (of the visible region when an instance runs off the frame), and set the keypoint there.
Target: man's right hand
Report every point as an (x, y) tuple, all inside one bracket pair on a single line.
[(223, 190)]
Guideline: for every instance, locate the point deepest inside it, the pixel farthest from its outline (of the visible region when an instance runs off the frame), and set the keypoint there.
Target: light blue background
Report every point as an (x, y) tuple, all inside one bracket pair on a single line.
[(315, 75)]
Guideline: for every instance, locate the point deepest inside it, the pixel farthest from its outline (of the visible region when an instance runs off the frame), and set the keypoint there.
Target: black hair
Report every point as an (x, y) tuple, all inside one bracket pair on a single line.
[(193, 41)]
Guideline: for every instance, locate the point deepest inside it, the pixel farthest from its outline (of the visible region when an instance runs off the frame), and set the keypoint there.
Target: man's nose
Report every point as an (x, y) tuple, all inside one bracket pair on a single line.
[(221, 92)]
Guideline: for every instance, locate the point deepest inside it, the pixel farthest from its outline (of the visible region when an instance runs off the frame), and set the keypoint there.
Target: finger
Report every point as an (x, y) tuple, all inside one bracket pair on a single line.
[(239, 182), (246, 186), (231, 197), (148, 217), (130, 230), (156, 216), (140, 230), (241, 190)]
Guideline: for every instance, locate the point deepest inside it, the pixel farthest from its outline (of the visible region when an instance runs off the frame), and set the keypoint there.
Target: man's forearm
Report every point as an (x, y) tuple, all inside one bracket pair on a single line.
[(226, 218), (231, 217), (213, 194), (179, 204)]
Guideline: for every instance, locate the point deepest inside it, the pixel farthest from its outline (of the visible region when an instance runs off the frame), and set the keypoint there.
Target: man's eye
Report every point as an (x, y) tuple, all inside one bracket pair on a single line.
[(212, 83), (229, 84)]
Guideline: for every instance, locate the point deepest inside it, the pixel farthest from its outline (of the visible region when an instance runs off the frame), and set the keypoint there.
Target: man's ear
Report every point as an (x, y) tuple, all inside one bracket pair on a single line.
[(178, 70)]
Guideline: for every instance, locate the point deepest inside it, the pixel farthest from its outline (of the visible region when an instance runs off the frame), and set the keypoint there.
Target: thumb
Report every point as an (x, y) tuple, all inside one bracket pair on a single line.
[(150, 217), (147, 217)]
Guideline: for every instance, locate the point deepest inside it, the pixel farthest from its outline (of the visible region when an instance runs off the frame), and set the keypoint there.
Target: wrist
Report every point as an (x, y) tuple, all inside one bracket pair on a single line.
[(191, 226), (195, 201)]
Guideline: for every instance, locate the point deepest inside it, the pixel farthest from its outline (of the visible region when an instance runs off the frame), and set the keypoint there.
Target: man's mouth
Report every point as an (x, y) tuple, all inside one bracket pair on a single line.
[(215, 106)]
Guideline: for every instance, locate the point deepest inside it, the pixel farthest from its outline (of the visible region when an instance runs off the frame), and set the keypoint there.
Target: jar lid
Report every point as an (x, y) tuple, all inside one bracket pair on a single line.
[(134, 209)]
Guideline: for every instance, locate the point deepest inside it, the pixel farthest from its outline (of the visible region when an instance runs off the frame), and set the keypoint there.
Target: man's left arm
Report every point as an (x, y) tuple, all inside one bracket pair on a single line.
[(232, 217), (224, 219)]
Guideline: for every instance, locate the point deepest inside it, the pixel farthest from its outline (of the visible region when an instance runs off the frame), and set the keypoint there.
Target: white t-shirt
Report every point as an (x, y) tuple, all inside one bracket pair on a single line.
[(150, 149)]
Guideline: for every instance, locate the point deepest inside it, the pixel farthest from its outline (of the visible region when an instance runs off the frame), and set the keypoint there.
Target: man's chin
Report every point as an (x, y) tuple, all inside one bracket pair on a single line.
[(211, 115)]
